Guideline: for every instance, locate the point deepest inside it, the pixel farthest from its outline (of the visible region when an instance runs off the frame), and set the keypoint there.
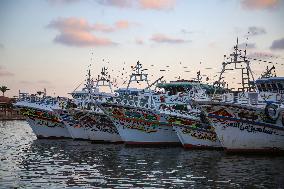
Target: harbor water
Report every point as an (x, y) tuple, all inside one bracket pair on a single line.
[(27, 162)]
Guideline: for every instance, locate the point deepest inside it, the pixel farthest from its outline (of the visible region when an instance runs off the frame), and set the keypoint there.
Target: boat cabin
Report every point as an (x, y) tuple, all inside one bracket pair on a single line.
[(184, 86), (83, 93), (131, 91), (271, 84)]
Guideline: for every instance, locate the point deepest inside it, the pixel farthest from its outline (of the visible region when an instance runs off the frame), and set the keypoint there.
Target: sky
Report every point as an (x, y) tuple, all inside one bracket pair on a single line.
[(50, 43)]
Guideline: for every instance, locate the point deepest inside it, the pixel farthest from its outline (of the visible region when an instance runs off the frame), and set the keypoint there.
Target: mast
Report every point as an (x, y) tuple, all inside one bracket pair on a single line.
[(198, 77), (240, 62), (104, 79), (138, 75), (89, 83)]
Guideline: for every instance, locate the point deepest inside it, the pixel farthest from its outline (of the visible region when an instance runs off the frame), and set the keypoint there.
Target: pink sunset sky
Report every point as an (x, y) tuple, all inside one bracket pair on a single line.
[(50, 43)]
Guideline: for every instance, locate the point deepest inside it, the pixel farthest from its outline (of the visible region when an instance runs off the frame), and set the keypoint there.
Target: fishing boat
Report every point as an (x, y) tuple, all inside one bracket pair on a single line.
[(252, 118), (191, 126), (40, 116), (87, 121), (135, 113)]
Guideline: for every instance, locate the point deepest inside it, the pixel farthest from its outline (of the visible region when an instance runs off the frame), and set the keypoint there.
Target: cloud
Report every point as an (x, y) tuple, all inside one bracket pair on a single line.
[(254, 30), (66, 24), (259, 4), (116, 3), (277, 44), (77, 32), (157, 4), (82, 39), (142, 4), (1, 46), (5, 73), (122, 24), (262, 55), (119, 25), (103, 27), (161, 38), (247, 46)]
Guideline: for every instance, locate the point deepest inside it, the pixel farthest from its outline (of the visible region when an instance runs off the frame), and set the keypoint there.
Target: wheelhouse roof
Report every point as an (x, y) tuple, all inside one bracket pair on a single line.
[(269, 80)]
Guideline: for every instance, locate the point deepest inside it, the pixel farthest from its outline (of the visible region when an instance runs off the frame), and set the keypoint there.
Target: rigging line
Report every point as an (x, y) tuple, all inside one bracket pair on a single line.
[(78, 86)]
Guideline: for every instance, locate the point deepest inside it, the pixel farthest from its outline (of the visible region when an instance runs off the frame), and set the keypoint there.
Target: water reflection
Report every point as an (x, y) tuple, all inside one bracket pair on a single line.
[(28, 162)]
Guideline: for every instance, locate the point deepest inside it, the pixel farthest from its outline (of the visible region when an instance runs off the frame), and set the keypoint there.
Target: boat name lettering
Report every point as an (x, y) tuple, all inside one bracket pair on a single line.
[(250, 128)]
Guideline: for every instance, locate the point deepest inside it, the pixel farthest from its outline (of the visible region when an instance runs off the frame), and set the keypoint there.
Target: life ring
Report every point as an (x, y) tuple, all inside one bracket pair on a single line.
[(271, 108)]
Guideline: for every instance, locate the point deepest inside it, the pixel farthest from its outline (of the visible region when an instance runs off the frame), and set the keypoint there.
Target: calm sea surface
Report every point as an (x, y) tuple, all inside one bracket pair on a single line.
[(27, 162)]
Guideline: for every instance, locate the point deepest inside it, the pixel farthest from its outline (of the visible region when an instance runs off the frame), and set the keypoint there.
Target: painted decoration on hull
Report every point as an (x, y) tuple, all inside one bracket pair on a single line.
[(134, 118), (39, 114), (139, 126), (268, 115), (44, 128), (44, 123), (47, 123), (200, 134), (148, 122), (130, 123), (88, 120), (247, 129), (198, 127)]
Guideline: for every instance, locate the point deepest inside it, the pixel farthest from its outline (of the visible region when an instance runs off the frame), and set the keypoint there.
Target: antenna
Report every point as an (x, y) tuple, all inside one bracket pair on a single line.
[(104, 79), (268, 72), (237, 42), (198, 77), (246, 44), (138, 75)]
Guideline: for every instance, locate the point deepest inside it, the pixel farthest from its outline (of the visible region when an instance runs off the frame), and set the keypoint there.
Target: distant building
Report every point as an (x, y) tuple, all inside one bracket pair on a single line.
[(7, 112), (5, 102)]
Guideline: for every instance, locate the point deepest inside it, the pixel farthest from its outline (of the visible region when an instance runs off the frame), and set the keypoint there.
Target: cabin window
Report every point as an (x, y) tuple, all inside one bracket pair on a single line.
[(268, 86), (274, 87), (259, 88), (280, 86), (263, 87)]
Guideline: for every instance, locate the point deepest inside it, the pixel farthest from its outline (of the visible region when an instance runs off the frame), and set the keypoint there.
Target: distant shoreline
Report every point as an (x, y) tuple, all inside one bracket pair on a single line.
[(10, 115), (12, 119)]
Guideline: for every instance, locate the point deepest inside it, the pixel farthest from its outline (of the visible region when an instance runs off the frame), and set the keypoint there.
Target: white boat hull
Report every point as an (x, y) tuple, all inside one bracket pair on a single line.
[(90, 126), (141, 131), (244, 129), (76, 130), (48, 129), (145, 134), (196, 138), (103, 136), (240, 136), (43, 121)]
